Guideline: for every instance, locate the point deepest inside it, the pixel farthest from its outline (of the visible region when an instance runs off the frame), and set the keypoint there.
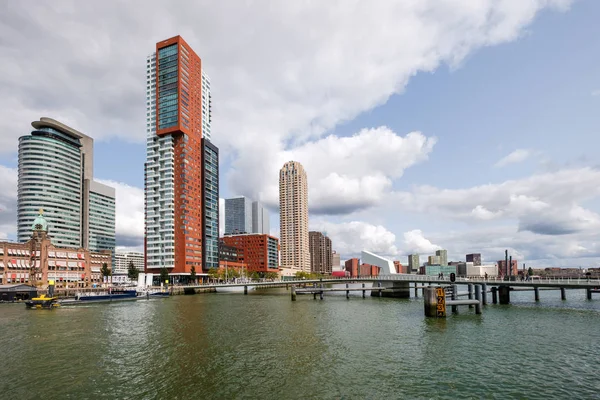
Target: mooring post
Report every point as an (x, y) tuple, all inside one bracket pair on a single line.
[(478, 297), (364, 291), (536, 291), (287, 286), (379, 286), (589, 294), (454, 297), (470, 288), (245, 289), (321, 292), (416, 289), (293, 292), (430, 301), (504, 294), (494, 295), (484, 294), (563, 293), (347, 291)]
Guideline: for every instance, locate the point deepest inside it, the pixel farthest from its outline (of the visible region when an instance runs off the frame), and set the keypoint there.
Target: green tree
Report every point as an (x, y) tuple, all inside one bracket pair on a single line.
[(132, 271), (254, 276), (105, 271), (530, 271), (271, 275), (193, 274), (213, 273), (164, 275)]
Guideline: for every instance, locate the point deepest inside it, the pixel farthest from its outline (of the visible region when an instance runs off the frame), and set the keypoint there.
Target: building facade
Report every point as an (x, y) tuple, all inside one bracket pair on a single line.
[(293, 218), (38, 260), (351, 267), (239, 215), (321, 253), (413, 263), (122, 260), (56, 174), (503, 271), (260, 219), (336, 261), (475, 258), (181, 169), (260, 252), (443, 257)]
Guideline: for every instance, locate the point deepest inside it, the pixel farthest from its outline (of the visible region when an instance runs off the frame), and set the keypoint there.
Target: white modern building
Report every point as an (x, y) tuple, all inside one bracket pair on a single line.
[(260, 219), (56, 175), (122, 260)]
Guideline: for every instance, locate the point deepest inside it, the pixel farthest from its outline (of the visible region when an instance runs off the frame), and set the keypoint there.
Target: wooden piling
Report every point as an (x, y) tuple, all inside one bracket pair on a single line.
[(321, 292), (364, 291), (430, 301), (293, 292), (589, 294), (347, 291), (563, 294), (536, 291), (245, 289), (504, 294)]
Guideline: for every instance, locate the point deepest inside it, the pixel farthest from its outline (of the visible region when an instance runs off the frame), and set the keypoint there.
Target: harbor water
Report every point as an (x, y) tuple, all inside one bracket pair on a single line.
[(264, 346)]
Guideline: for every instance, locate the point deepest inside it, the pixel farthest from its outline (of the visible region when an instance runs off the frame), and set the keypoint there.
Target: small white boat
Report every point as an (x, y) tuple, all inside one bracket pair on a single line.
[(235, 289)]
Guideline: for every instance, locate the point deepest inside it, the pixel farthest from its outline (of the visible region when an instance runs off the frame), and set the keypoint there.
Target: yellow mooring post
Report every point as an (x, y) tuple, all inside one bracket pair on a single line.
[(435, 301), (441, 302)]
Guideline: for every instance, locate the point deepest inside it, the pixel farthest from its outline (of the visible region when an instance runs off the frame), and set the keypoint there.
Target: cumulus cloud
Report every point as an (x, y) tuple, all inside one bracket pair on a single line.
[(350, 238), (516, 156), (415, 242), (536, 201)]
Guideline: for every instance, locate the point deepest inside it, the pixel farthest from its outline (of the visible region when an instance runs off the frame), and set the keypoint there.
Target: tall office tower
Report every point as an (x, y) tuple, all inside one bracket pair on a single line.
[(181, 204), (293, 217), (413, 263), (443, 255), (260, 219), (475, 258), (56, 175), (238, 215), (321, 254)]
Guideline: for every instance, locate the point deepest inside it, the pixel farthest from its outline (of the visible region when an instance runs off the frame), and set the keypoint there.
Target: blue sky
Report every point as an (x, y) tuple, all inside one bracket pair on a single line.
[(528, 82)]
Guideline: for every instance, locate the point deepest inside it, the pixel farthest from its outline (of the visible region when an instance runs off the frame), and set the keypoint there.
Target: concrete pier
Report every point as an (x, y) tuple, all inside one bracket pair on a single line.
[(364, 291), (494, 295), (536, 291), (563, 294), (470, 288), (504, 294), (454, 297), (478, 297), (245, 289), (589, 294), (393, 289), (484, 294)]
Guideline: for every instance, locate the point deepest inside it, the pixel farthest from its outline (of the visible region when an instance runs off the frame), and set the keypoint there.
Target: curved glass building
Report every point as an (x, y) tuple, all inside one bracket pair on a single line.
[(55, 174)]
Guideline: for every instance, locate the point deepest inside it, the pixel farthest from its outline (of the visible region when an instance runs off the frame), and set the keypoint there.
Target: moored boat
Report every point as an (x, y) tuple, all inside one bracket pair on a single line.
[(42, 302)]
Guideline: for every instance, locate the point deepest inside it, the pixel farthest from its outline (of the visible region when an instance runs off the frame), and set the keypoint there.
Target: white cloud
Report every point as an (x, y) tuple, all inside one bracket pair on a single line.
[(516, 156), (415, 242), (129, 213), (350, 238)]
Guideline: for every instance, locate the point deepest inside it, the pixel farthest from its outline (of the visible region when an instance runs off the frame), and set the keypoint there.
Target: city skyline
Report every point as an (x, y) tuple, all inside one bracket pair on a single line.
[(486, 167)]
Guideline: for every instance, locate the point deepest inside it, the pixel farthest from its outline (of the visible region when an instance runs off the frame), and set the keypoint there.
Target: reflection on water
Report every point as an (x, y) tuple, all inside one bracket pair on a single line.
[(265, 346)]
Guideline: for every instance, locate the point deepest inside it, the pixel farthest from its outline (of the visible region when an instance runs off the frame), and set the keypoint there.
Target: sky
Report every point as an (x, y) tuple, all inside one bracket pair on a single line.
[(466, 125)]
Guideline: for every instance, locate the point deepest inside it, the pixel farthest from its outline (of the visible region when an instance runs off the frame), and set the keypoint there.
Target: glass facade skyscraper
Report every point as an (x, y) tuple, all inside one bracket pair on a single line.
[(181, 169), (56, 175)]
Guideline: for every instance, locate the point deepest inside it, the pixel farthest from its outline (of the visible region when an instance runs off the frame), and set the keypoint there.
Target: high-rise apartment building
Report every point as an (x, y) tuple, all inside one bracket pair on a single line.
[(181, 169), (433, 260), (238, 215), (293, 218), (321, 253), (443, 257), (56, 175), (413, 263), (260, 219)]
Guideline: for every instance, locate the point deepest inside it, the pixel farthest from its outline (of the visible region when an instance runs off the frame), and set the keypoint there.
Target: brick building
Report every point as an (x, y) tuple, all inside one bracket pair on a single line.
[(356, 271), (38, 260), (475, 258), (260, 251), (321, 253), (502, 271)]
